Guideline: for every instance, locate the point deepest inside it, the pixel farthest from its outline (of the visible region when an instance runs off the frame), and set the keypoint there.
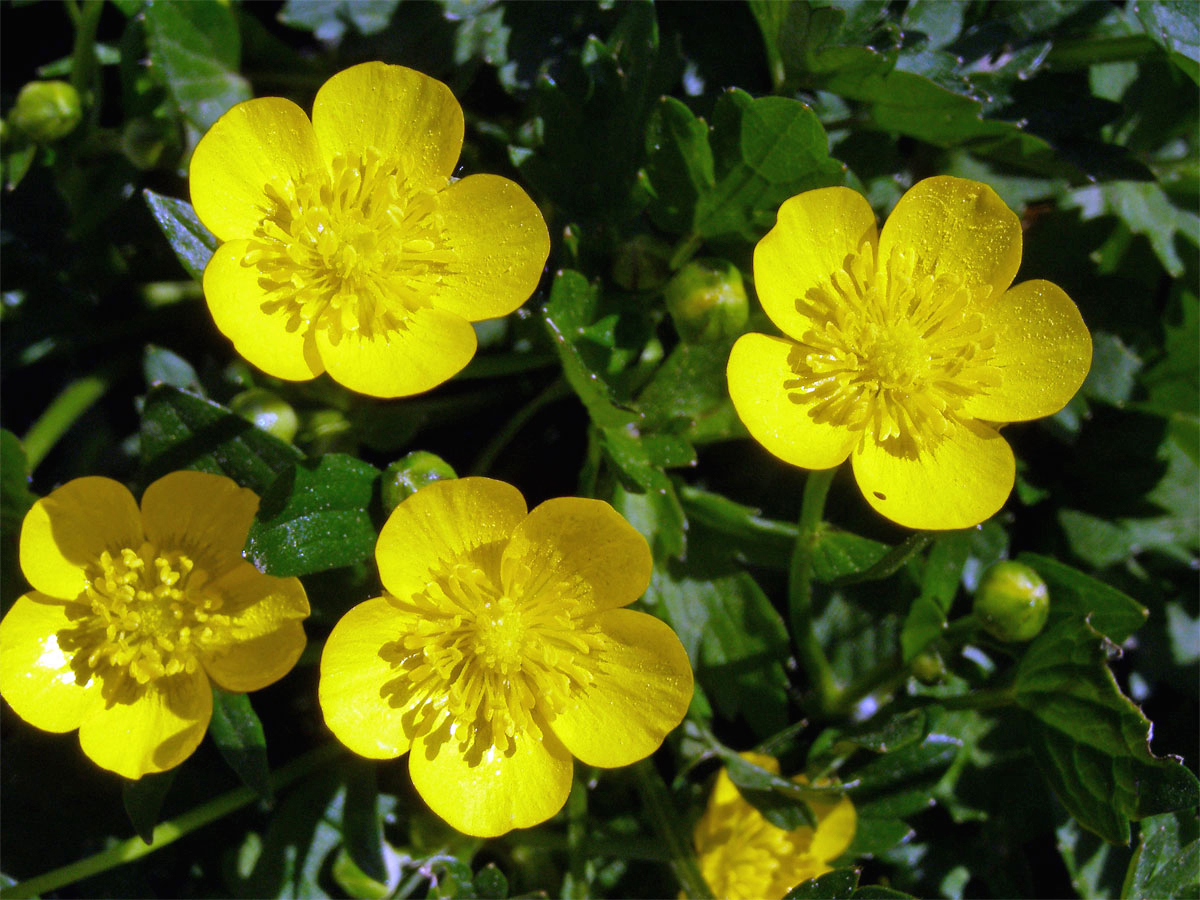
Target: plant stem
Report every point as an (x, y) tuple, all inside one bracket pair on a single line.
[(76, 398), (556, 390), (83, 55), (684, 251), (171, 831), (656, 800), (800, 591)]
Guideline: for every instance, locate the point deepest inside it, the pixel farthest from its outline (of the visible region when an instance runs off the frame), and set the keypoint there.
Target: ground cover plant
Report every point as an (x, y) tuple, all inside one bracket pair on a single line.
[(483, 449)]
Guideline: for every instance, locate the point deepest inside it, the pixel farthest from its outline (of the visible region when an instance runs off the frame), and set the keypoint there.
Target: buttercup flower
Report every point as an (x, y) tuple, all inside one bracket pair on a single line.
[(133, 612), (744, 857), (905, 349), (501, 650), (347, 246)]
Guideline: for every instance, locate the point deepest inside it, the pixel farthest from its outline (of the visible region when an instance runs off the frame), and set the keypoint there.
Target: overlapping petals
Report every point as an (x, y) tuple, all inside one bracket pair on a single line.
[(905, 350), (348, 247), (136, 612), (502, 650)]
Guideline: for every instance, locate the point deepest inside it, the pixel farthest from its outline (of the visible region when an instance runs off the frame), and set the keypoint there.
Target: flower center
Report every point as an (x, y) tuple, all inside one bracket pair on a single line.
[(483, 665), (356, 248), (149, 616), (898, 354)]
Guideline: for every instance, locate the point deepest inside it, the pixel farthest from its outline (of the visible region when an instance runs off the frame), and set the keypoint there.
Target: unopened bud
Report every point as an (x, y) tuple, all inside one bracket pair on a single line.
[(1012, 602), (707, 301), (47, 110), (409, 474), (269, 412)]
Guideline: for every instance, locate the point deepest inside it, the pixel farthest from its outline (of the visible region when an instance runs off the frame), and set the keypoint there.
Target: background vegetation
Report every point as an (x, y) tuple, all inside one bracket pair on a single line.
[(647, 135)]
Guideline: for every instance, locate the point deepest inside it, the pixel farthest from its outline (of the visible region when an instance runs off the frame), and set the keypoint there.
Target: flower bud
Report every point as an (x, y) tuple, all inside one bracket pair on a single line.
[(47, 110), (707, 301), (409, 474), (267, 411), (640, 263), (928, 668), (1012, 602)]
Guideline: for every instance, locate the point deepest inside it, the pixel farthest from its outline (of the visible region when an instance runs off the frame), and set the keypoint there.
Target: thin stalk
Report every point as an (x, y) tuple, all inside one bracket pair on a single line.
[(800, 588), (1083, 52), (83, 53), (171, 831), (74, 400), (656, 800), (684, 251), (556, 390)]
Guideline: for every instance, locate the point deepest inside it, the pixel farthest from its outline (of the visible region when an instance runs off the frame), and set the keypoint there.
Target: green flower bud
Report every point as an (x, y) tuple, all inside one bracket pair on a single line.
[(707, 301), (267, 411), (928, 667), (640, 263), (409, 474), (47, 110), (1012, 602)]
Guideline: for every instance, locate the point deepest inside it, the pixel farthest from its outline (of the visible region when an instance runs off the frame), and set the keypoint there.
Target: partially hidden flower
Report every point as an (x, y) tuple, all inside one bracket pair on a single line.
[(744, 857), (347, 247), (136, 612), (905, 349), (501, 650)]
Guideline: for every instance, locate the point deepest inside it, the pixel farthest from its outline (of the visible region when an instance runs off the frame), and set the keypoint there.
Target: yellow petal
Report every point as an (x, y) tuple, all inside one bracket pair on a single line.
[(758, 369), (69, 529), (642, 688), (500, 244), (432, 348), (956, 228), (836, 824), (1043, 350), (35, 674), (962, 481), (814, 234), (235, 300), (460, 520), (264, 637), (254, 143), (155, 732), (498, 794), (583, 545), (205, 516), (354, 676), (405, 115)]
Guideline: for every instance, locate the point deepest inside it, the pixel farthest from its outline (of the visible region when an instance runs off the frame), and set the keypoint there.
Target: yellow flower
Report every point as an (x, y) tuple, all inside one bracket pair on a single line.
[(134, 611), (500, 650), (745, 857), (905, 349), (347, 246)]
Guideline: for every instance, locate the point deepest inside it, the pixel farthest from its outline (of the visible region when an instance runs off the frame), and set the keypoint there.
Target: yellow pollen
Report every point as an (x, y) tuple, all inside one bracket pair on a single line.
[(485, 666), (895, 353), (353, 249), (148, 617)]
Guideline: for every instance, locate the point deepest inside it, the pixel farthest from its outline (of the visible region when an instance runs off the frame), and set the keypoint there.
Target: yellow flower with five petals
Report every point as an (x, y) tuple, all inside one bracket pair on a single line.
[(501, 650), (906, 348), (744, 857), (135, 611), (347, 246)]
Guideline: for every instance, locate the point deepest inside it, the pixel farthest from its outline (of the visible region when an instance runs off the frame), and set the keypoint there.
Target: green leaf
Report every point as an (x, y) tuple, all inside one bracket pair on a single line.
[(452, 880), (688, 392), (361, 825), (182, 431), (1090, 741), (197, 48), (143, 800), (1175, 26), (939, 583), (839, 554), (891, 732), (836, 885), (899, 783), (1114, 370), (630, 454), (759, 153), (193, 244), (743, 531), (735, 638), (162, 366), (238, 734), (1112, 613), (773, 796), (15, 501), (568, 312), (1144, 208), (490, 883), (314, 517), (873, 836), (1166, 862), (327, 19), (1096, 867)]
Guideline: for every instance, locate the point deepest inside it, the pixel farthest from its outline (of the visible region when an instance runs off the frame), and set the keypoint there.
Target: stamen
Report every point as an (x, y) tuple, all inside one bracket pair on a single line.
[(894, 352)]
